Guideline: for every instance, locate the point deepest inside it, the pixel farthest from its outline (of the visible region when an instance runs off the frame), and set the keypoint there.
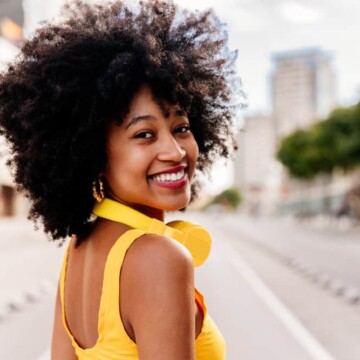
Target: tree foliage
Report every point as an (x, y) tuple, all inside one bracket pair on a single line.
[(328, 144), (296, 154), (230, 198)]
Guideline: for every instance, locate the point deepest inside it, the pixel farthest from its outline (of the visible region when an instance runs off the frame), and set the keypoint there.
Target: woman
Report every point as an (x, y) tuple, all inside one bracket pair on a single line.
[(119, 106)]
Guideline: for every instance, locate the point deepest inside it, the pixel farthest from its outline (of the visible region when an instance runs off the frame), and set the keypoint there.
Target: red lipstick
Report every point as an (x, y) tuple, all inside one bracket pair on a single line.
[(175, 169)]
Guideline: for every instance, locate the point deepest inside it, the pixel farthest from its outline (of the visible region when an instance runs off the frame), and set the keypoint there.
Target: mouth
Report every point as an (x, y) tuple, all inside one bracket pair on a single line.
[(173, 178), (169, 177)]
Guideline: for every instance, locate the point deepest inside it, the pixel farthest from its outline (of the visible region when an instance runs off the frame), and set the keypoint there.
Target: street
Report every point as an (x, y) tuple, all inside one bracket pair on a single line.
[(269, 285), (332, 323)]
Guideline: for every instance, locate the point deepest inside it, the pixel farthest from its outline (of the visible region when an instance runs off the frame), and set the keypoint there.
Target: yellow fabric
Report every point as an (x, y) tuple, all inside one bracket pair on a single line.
[(193, 236), (113, 342)]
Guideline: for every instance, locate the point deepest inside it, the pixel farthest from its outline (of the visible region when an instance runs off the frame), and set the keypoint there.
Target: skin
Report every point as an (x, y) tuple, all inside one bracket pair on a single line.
[(164, 324), (149, 141)]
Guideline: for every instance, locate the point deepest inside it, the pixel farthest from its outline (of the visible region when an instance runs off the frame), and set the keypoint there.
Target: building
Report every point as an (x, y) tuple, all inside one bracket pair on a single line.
[(11, 20), (13, 10), (302, 92), (256, 171), (302, 88)]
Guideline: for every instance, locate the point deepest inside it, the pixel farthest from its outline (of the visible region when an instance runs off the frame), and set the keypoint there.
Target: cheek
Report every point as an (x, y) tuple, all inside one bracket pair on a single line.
[(193, 151), (197, 151), (128, 163)]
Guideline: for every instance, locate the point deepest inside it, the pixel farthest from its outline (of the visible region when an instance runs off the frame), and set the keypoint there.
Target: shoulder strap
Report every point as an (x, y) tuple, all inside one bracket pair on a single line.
[(109, 314), (62, 295), (109, 321)]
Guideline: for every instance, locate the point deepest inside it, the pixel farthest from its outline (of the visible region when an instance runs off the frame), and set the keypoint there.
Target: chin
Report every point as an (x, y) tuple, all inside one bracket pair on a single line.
[(177, 208), (176, 205)]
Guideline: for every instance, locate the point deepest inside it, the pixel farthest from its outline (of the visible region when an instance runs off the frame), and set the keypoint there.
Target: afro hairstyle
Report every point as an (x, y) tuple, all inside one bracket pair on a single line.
[(79, 72)]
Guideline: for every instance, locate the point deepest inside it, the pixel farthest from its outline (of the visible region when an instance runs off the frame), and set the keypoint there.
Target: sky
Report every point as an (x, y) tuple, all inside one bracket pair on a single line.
[(260, 28)]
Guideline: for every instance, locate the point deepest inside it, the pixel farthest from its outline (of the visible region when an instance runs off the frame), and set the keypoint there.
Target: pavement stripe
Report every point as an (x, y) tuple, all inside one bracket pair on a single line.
[(293, 325), (45, 355)]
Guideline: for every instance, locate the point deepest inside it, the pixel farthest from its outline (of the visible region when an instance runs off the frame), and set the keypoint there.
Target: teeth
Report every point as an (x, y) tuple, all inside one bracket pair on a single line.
[(170, 177)]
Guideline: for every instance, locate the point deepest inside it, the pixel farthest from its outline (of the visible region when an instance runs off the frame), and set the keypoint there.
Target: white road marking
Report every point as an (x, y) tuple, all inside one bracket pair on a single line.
[(45, 355), (300, 333)]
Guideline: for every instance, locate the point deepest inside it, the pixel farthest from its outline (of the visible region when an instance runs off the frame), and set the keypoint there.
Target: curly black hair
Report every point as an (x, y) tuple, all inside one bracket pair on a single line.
[(78, 74)]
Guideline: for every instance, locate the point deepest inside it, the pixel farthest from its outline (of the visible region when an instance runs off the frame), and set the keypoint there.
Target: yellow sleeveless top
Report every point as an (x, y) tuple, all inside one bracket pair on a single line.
[(113, 342)]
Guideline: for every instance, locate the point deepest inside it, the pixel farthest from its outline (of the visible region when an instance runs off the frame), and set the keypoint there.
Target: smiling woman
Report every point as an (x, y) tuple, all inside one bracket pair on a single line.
[(157, 152), (118, 106)]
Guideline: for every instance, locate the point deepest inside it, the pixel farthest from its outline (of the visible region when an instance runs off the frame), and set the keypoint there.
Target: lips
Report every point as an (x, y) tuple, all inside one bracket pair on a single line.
[(174, 178), (173, 170)]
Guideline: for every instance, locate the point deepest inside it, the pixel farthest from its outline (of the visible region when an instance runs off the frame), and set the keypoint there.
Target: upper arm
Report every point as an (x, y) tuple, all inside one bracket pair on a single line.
[(157, 298), (61, 347)]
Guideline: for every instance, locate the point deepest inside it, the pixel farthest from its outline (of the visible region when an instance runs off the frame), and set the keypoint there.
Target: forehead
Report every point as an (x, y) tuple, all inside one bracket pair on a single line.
[(144, 102)]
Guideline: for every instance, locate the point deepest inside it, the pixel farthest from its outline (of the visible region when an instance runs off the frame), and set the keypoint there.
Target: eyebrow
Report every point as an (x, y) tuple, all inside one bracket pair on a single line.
[(136, 119)]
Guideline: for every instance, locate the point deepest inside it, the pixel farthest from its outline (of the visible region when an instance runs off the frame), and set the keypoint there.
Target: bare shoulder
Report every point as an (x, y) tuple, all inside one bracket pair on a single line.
[(154, 261), (157, 252), (157, 297)]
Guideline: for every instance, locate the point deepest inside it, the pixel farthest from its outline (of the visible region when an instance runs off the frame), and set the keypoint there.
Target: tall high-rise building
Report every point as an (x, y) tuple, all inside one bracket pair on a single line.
[(303, 88), (303, 91)]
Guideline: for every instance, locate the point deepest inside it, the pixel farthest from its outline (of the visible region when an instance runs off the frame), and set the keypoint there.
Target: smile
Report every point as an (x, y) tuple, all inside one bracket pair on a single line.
[(173, 177), (174, 180)]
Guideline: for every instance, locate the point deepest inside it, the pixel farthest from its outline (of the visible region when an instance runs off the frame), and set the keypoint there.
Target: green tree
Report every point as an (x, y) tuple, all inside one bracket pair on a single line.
[(333, 142), (231, 198), (344, 124), (297, 154)]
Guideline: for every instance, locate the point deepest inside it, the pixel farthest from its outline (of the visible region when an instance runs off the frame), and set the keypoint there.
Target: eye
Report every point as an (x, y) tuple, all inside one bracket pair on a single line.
[(182, 129), (144, 135)]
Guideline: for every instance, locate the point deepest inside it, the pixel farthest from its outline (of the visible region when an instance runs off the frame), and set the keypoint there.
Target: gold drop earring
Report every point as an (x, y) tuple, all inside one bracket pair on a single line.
[(98, 190)]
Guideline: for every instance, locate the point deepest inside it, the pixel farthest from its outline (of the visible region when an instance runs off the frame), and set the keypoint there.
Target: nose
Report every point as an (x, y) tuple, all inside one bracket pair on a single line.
[(171, 150)]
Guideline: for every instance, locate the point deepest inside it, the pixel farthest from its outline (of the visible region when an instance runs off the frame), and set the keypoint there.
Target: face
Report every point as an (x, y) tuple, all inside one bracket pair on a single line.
[(151, 157)]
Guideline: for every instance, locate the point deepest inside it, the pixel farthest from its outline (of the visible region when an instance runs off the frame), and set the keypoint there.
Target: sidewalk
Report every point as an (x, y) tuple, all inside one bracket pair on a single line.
[(29, 266)]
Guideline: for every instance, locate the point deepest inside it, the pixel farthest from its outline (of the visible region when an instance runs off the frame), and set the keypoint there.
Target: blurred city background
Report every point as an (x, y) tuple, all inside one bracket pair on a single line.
[(283, 280)]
